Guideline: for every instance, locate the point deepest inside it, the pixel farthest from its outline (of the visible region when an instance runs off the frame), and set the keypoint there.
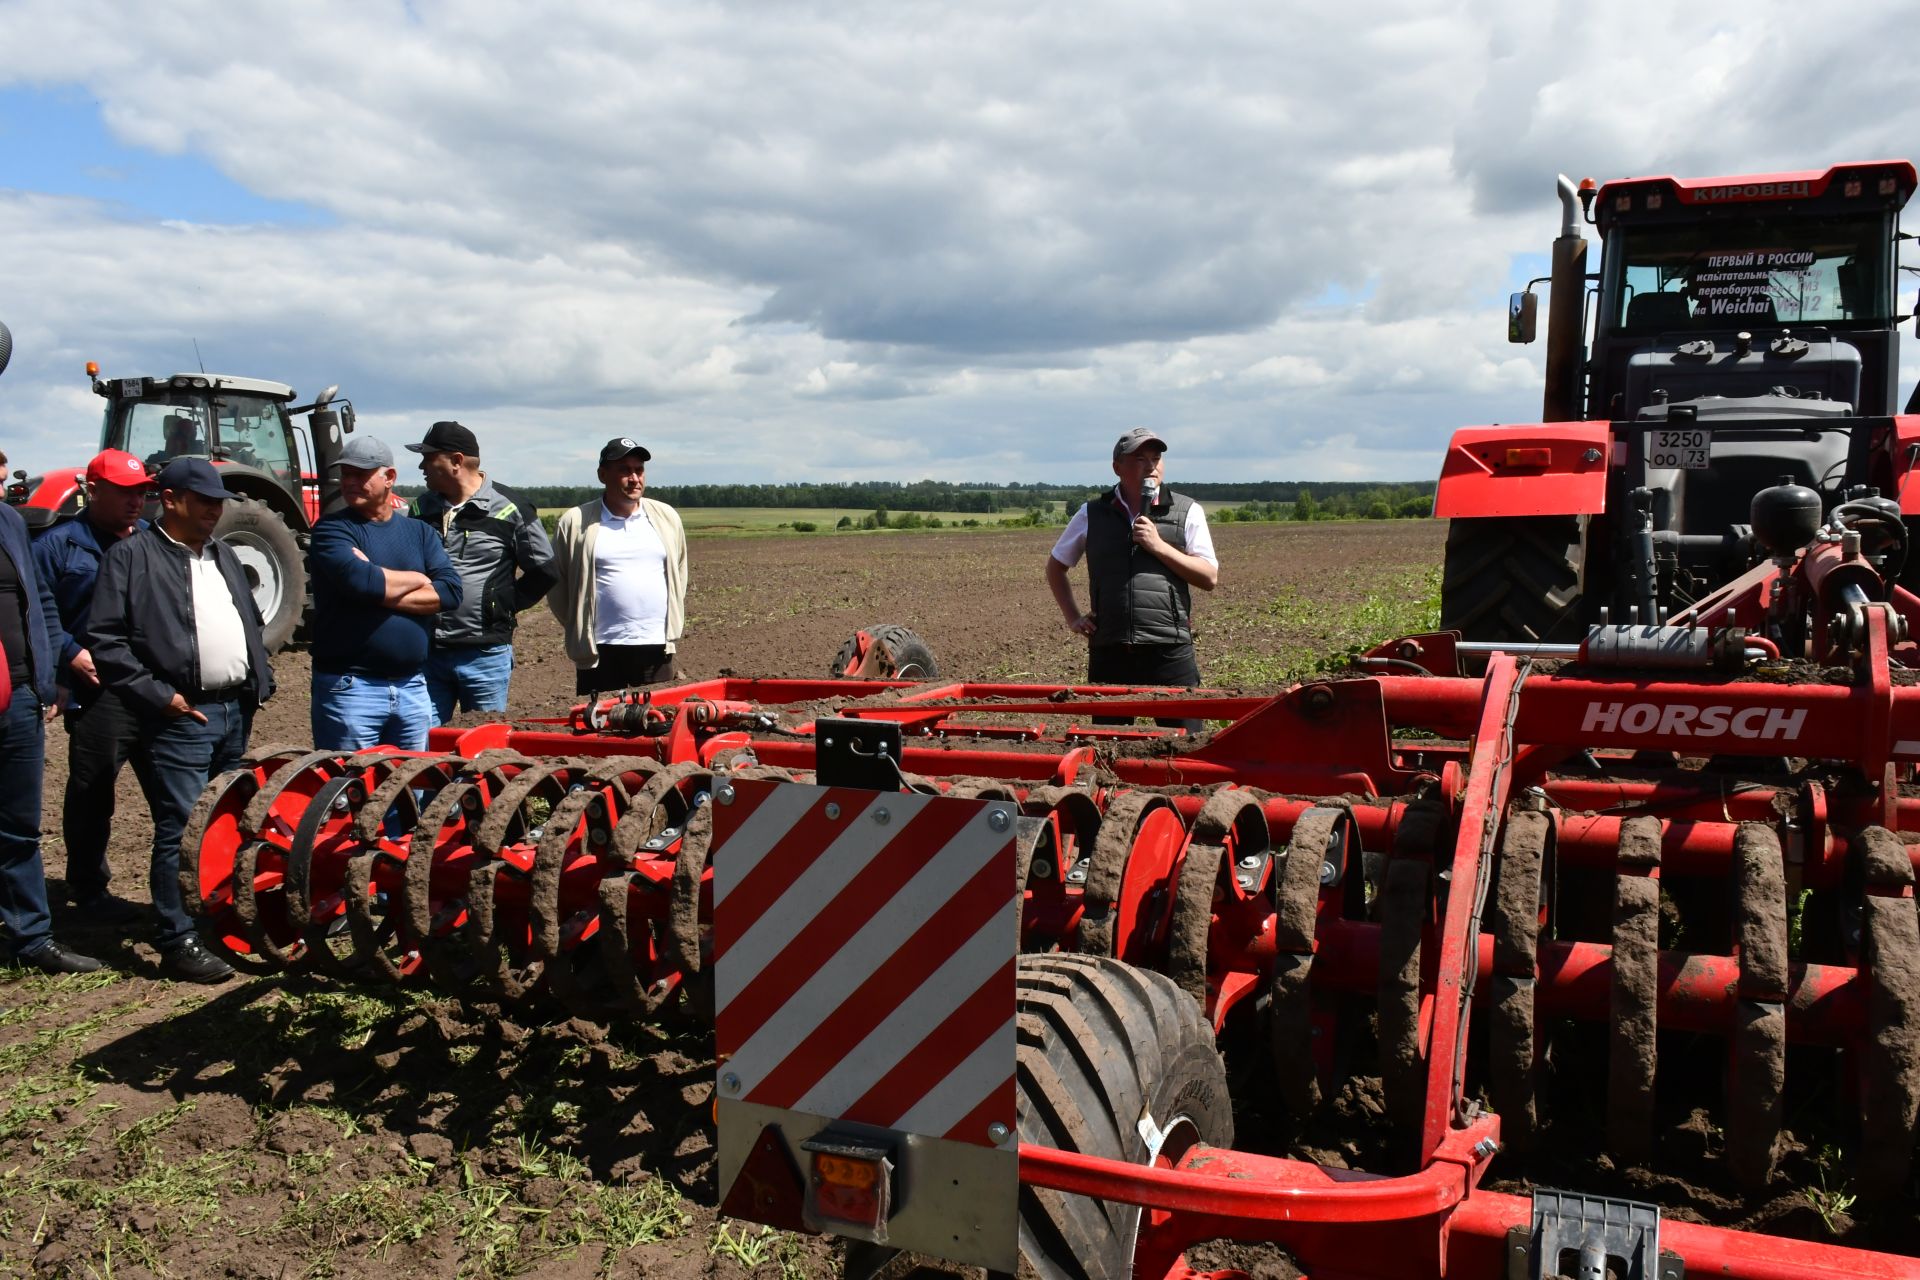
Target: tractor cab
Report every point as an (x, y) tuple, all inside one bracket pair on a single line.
[(245, 426), (1737, 349), (1801, 264), (241, 421)]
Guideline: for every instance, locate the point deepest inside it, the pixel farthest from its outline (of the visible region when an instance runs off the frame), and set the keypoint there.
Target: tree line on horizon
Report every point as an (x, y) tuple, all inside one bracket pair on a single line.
[(1259, 499)]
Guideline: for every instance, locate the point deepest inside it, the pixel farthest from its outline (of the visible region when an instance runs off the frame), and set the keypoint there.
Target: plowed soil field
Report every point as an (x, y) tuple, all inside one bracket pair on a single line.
[(295, 1127)]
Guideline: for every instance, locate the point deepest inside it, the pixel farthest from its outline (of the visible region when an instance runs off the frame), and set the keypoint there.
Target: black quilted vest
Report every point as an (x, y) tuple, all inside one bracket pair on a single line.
[(1137, 599)]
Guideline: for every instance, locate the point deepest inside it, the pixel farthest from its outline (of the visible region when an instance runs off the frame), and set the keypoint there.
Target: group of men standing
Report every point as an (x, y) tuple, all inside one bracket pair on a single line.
[(146, 636), (146, 639)]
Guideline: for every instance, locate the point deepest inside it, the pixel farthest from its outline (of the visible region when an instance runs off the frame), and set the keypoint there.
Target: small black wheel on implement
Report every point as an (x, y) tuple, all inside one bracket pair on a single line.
[(1104, 1048), (1518, 579), (888, 651), (275, 567)]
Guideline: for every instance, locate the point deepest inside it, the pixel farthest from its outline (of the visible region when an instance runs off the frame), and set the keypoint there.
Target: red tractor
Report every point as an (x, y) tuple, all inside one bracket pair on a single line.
[(1731, 365), (287, 475)]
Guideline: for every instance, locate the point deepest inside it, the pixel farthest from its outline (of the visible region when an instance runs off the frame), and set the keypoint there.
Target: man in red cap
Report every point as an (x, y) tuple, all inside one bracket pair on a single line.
[(66, 561)]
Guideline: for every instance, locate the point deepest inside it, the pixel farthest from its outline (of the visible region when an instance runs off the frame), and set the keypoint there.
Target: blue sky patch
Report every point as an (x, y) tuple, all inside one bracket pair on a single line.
[(56, 144)]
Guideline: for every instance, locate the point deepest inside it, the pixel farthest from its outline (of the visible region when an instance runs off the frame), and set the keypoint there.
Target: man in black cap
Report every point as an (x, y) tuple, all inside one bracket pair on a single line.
[(505, 564), (175, 636), (621, 594), (1145, 549)]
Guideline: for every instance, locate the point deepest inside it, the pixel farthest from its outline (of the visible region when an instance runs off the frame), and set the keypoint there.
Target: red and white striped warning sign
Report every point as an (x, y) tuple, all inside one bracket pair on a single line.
[(864, 949)]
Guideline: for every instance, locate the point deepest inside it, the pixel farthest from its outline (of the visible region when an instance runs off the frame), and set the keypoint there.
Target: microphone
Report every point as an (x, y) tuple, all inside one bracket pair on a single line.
[(1149, 493)]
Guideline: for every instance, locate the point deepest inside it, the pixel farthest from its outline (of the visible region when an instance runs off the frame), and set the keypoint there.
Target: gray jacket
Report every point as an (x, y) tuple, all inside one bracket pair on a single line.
[(504, 559)]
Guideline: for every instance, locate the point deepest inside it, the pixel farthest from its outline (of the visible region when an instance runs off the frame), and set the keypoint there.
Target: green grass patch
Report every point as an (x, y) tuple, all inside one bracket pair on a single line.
[(1315, 637)]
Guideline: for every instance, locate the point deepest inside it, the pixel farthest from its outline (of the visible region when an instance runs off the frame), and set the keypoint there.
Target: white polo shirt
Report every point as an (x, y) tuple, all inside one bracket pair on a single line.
[(220, 638), (629, 580), (1073, 541)]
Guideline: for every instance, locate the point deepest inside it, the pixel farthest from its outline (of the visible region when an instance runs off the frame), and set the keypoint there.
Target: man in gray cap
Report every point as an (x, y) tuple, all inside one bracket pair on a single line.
[(505, 562), (1145, 549), (176, 640), (379, 579)]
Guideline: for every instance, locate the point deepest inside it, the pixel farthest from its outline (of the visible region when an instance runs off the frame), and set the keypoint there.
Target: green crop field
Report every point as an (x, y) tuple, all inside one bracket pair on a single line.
[(721, 522)]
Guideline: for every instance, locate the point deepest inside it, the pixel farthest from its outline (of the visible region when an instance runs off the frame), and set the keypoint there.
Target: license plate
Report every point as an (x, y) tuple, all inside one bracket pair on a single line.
[(1686, 449)]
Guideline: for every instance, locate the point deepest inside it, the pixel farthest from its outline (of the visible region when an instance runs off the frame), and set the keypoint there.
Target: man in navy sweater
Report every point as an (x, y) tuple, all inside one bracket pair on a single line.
[(379, 577)]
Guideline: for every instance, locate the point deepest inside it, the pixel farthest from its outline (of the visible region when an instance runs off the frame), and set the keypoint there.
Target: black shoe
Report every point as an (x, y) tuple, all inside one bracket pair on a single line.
[(192, 962), (106, 908), (51, 957)]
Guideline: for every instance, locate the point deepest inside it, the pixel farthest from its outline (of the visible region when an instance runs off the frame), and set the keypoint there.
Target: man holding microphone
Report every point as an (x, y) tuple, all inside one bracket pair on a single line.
[(1145, 550)]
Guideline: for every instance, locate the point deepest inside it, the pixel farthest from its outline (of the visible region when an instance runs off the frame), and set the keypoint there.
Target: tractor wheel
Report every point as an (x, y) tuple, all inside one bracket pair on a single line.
[(893, 653), (275, 569), (1515, 579), (1118, 1062)]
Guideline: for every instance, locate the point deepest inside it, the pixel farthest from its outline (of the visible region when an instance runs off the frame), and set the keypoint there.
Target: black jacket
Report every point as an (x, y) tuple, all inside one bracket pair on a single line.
[(141, 629)]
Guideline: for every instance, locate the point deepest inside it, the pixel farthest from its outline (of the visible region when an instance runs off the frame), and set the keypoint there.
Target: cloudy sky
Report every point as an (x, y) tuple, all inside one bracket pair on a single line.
[(866, 240)]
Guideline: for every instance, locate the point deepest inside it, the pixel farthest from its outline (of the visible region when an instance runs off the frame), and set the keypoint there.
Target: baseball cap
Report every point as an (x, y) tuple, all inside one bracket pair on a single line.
[(365, 453), (119, 468), (1135, 439), (193, 475), (622, 447), (448, 437)]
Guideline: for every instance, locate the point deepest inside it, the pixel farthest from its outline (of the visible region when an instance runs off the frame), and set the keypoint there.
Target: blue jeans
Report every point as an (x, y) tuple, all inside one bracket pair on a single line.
[(23, 880), (475, 679), (174, 759), (352, 712)]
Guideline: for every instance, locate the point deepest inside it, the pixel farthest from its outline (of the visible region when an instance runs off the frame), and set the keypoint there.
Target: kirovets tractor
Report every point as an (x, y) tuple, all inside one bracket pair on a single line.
[(1723, 382), (287, 475)]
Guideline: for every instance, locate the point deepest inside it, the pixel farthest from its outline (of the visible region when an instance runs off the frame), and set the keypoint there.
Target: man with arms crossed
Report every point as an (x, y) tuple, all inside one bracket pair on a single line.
[(379, 578)]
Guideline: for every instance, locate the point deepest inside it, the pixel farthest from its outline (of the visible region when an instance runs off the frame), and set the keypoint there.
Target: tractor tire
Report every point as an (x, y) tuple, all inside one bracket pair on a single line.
[(1518, 579), (1103, 1048), (274, 565), (896, 654)]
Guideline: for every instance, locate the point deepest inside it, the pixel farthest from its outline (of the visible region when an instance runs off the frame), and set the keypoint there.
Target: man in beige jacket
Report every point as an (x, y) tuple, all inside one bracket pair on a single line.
[(622, 593)]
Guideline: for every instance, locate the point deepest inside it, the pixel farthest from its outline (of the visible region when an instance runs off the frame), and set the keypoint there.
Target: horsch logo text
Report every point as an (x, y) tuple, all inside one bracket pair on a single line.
[(1676, 721)]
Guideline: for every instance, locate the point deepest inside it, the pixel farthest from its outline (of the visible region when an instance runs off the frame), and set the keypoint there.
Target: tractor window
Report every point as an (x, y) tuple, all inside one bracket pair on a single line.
[(250, 430), (253, 432), (1753, 273), (158, 432)]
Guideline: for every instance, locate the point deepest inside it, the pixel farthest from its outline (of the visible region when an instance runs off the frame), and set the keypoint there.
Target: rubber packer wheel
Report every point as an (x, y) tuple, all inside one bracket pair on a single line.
[(895, 653), (1102, 1045), (1514, 579), (275, 567)]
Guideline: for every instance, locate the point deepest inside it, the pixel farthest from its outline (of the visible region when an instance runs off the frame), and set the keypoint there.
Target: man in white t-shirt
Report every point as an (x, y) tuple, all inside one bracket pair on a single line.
[(1145, 549), (622, 588)]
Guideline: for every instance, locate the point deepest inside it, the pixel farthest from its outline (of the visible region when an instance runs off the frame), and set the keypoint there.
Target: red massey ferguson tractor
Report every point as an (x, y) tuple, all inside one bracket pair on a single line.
[(286, 475), (1724, 383)]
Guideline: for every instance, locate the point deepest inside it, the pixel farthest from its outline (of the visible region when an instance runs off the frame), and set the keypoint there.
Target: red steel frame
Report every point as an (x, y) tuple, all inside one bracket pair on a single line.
[(1514, 729), (1519, 724)]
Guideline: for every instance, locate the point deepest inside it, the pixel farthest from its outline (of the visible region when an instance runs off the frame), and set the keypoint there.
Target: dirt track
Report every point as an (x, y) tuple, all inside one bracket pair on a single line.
[(292, 1127)]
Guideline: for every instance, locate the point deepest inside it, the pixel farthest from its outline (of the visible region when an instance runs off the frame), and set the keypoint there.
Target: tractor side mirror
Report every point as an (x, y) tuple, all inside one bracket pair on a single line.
[(1523, 312)]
